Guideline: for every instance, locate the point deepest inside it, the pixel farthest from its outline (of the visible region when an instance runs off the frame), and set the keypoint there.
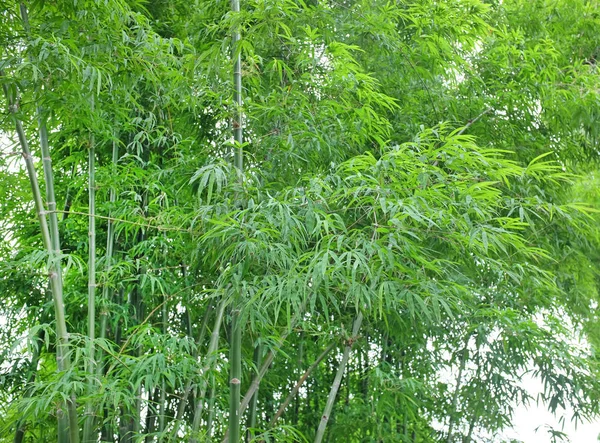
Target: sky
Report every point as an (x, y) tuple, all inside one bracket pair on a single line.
[(530, 422)]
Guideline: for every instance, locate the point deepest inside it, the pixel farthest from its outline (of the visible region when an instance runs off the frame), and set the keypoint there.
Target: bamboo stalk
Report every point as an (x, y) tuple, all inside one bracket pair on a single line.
[(300, 382), (54, 272), (106, 289), (212, 348), (337, 380), (254, 401), (264, 368), (211, 409), (236, 327), (163, 387), (88, 426), (235, 381), (238, 134)]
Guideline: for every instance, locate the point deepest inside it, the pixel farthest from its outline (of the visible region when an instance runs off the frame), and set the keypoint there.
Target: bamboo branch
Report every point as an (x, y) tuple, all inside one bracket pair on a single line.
[(473, 121), (300, 382), (121, 220)]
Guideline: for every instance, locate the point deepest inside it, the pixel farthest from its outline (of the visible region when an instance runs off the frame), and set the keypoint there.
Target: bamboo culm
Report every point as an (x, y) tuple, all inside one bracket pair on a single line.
[(236, 327), (70, 431), (254, 401), (88, 426), (210, 355), (235, 380), (337, 380)]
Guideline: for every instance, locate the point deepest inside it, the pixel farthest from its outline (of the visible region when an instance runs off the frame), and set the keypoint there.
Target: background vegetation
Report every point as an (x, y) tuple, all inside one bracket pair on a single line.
[(288, 220)]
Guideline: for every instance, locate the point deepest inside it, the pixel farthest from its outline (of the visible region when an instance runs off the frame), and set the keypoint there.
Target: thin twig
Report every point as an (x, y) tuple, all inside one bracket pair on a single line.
[(120, 220), (473, 120)]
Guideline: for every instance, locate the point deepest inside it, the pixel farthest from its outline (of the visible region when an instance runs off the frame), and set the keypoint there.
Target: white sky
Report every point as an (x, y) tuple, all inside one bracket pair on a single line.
[(530, 423)]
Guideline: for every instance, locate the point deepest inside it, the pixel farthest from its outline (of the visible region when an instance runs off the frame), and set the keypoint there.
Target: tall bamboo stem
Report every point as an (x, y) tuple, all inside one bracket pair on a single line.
[(265, 367), (337, 380), (54, 272), (235, 359), (254, 401), (106, 289), (88, 426), (236, 328), (212, 348)]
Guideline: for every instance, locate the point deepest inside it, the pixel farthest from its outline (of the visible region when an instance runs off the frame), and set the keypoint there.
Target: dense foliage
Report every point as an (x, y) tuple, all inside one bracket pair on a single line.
[(403, 225)]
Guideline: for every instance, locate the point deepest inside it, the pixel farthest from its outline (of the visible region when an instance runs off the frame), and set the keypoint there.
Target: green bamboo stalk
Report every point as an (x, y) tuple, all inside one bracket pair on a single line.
[(337, 380), (236, 327), (106, 289), (54, 272), (63, 422), (300, 382), (210, 353), (265, 367), (211, 409), (163, 388), (88, 426), (254, 401), (235, 381), (238, 134)]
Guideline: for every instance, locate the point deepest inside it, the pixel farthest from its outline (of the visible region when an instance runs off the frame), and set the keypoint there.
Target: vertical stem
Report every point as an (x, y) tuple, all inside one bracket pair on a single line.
[(254, 401), (88, 426), (238, 134), (106, 289), (163, 388), (54, 272), (236, 328), (211, 409), (337, 380), (212, 348), (235, 359), (151, 415)]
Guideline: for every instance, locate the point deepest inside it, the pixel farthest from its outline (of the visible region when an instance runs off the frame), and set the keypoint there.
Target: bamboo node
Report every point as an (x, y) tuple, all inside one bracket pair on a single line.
[(235, 381)]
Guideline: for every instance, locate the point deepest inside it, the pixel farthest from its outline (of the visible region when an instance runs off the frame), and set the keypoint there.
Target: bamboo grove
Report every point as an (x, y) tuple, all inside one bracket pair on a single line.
[(288, 220)]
